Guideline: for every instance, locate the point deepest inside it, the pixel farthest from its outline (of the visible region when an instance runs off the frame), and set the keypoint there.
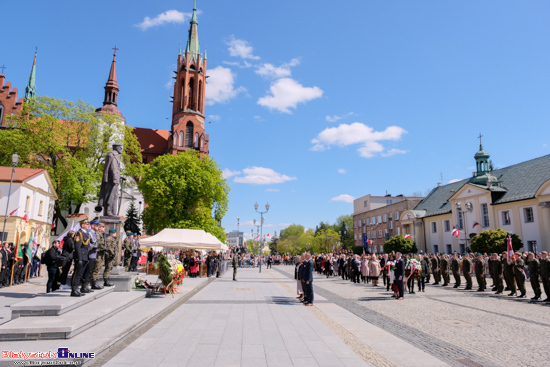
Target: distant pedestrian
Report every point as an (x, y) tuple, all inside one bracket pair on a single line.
[(308, 280), (399, 273)]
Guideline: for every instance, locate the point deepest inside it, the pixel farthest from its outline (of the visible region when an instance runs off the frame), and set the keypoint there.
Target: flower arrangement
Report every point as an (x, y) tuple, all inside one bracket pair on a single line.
[(390, 266), (171, 272), (413, 269), (141, 283)]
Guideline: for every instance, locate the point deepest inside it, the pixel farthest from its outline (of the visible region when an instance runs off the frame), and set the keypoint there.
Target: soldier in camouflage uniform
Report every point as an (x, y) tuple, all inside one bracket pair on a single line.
[(545, 274), (480, 272), (100, 234), (491, 263), (444, 269), (235, 263), (128, 245), (110, 249), (455, 267), (534, 273), (435, 269), (519, 274), (467, 270), (497, 271)]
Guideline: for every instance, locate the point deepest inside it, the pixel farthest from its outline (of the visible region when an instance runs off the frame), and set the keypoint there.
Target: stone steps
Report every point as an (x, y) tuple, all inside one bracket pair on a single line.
[(72, 322), (55, 303)]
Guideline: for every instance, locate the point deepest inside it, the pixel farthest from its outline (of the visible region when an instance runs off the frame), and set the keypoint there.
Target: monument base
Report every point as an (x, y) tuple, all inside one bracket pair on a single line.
[(123, 280)]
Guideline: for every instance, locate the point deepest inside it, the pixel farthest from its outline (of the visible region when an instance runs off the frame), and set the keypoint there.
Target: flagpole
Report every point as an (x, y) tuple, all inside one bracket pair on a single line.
[(14, 161)]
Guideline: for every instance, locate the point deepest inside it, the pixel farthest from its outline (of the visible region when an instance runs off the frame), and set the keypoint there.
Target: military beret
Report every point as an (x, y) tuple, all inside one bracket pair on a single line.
[(479, 254), (84, 221), (128, 233), (112, 230), (465, 254)]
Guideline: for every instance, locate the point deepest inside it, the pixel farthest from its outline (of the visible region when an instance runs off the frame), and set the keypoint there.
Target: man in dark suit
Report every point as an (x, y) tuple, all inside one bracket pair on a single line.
[(399, 273), (308, 280), (82, 245)]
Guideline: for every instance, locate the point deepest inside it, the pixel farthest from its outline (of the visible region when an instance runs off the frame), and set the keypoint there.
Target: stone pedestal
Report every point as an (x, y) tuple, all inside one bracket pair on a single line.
[(122, 280)]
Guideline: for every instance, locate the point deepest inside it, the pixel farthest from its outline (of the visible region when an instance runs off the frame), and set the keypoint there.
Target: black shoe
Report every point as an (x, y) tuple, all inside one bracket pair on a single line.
[(522, 295), (494, 289), (498, 292), (235, 279), (467, 288), (96, 285), (76, 293), (546, 300), (413, 292), (480, 290), (512, 294), (106, 283), (506, 289), (535, 298), (84, 290), (455, 286), (444, 285)]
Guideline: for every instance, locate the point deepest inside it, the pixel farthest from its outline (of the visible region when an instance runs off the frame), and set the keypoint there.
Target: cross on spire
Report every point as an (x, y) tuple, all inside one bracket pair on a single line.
[(115, 48), (3, 67), (479, 137)]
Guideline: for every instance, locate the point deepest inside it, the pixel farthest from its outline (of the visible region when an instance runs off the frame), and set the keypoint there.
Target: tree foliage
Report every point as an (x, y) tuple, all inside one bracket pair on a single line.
[(184, 191), (400, 244), (132, 221), (71, 141), (494, 241)]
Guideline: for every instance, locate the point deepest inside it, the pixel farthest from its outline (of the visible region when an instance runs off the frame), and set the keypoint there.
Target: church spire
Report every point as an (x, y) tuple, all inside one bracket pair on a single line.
[(193, 47), (30, 89), (111, 90)]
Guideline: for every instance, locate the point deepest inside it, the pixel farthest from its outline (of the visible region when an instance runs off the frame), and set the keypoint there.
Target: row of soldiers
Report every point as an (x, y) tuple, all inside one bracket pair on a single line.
[(13, 271), (132, 252), (509, 270)]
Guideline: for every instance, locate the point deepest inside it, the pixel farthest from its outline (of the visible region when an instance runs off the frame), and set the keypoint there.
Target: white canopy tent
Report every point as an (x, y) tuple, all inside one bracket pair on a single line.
[(184, 238)]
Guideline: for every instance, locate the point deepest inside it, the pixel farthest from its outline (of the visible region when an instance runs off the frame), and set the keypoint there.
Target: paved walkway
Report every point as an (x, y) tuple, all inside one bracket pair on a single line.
[(257, 321)]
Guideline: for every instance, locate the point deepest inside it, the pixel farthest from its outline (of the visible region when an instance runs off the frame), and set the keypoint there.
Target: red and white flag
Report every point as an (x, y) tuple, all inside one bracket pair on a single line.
[(476, 223), (53, 224), (267, 235), (455, 232), (26, 218), (510, 249), (407, 236), (258, 236), (13, 212)]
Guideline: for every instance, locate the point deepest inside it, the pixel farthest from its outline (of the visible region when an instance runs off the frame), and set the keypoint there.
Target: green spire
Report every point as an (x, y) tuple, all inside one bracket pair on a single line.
[(205, 53), (30, 90), (179, 52), (193, 46)]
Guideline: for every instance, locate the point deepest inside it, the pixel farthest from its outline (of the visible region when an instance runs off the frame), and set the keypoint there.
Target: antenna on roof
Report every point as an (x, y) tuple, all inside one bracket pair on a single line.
[(440, 176)]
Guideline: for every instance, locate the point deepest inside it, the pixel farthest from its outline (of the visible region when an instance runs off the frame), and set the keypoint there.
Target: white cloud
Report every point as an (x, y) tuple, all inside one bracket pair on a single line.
[(272, 190), (393, 151), (454, 180), (258, 118), (241, 48), (342, 171), (169, 84), (214, 117), (221, 86), (275, 72), (262, 176), (358, 133), (345, 198), (228, 173), (287, 93), (336, 117), (169, 16)]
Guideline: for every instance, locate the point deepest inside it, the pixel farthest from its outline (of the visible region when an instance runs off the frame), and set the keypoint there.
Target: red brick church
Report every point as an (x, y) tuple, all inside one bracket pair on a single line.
[(187, 130)]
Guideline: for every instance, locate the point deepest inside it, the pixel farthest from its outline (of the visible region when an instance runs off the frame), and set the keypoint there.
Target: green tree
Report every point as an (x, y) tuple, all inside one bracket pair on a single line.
[(132, 221), (325, 240), (400, 244), (71, 141), (494, 241), (344, 226), (184, 191)]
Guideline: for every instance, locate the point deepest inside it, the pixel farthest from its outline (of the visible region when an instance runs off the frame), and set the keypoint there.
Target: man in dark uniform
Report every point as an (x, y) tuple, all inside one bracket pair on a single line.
[(444, 269), (519, 274), (534, 273), (455, 267), (491, 265), (3, 265), (508, 273), (100, 260), (399, 274), (235, 263), (480, 272), (497, 271), (128, 245), (435, 269), (308, 280), (467, 270), (545, 274), (109, 258), (81, 244), (92, 255)]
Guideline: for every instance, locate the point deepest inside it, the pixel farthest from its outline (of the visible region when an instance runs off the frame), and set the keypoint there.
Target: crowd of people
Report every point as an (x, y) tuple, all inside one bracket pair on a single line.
[(508, 273)]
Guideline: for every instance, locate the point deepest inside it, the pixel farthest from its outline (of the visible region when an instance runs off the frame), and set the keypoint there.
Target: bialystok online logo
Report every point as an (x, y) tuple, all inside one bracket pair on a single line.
[(62, 353)]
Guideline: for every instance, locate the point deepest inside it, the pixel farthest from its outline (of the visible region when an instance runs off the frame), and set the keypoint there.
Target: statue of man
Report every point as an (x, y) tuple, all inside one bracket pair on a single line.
[(108, 195)]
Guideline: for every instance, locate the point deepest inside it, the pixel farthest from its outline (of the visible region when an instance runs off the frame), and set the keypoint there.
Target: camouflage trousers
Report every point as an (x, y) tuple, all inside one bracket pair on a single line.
[(127, 260), (456, 275), (468, 278), (234, 273), (102, 259)]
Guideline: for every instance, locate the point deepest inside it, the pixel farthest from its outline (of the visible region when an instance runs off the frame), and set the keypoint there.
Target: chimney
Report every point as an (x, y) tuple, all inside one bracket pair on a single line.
[(474, 174), (439, 184)]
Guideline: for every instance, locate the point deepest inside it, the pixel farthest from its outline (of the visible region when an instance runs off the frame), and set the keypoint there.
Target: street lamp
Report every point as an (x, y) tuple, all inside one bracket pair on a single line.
[(262, 228), (14, 162), (238, 232), (468, 206)]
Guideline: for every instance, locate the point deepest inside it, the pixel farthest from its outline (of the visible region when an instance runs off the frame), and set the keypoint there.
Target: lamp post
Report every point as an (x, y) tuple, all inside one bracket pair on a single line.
[(238, 232), (14, 162), (261, 228), (468, 206)]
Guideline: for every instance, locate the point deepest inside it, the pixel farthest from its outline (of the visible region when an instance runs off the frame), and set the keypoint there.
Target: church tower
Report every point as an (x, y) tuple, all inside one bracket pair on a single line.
[(188, 99), (111, 92), (30, 89)]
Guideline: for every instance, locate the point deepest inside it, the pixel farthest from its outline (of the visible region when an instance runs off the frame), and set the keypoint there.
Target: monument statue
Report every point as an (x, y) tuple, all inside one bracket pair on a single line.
[(108, 195)]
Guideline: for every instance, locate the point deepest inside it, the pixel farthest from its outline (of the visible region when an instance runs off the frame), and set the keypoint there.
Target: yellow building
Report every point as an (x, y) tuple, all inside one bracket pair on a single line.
[(32, 199), (515, 199)]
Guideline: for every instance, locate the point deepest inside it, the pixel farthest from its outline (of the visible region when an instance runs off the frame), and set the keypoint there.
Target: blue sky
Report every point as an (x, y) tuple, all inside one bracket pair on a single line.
[(311, 102)]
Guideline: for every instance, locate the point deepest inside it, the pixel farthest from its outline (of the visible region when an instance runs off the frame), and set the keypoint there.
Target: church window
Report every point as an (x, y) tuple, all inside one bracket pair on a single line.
[(181, 138), (202, 143), (1, 112), (196, 140), (190, 103), (199, 107), (176, 139), (189, 135)]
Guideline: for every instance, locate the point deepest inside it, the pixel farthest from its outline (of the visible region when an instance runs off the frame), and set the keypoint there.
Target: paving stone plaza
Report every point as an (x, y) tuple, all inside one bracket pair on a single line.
[(257, 321)]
